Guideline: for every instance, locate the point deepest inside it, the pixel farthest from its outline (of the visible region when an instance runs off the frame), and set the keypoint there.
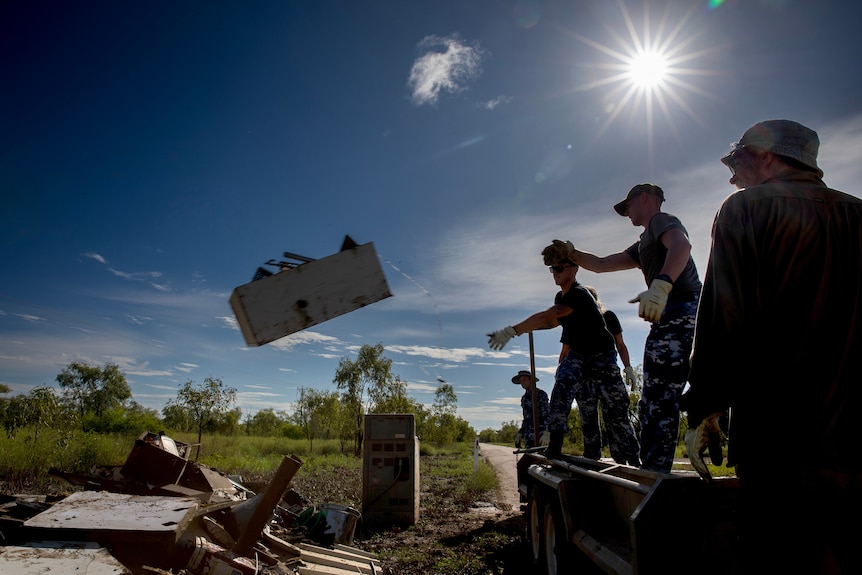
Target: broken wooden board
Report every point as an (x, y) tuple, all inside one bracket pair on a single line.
[(60, 558), (113, 517), (341, 559)]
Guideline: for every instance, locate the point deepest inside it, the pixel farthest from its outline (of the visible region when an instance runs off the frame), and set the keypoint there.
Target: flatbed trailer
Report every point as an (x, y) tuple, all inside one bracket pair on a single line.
[(587, 516)]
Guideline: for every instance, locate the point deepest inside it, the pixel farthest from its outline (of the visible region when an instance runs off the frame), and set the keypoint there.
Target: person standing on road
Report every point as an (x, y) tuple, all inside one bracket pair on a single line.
[(663, 253), (589, 366), (784, 283), (526, 436)]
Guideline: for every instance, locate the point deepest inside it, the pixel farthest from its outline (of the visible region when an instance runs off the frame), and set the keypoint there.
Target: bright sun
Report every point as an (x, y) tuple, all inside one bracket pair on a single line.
[(644, 69), (647, 69)]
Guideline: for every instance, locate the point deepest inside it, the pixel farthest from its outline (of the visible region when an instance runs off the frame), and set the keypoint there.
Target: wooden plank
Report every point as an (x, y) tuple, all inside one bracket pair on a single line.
[(315, 569), (59, 558), (356, 551), (342, 551), (336, 559), (104, 516)]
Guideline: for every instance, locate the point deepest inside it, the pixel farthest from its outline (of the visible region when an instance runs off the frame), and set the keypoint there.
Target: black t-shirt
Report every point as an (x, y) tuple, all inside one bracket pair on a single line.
[(613, 322), (584, 329)]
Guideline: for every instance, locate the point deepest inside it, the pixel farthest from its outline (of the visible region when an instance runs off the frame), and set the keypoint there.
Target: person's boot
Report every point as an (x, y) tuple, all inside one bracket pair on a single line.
[(555, 446)]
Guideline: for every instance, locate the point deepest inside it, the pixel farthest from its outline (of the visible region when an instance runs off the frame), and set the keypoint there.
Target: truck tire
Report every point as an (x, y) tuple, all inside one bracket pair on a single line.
[(535, 508), (555, 548)]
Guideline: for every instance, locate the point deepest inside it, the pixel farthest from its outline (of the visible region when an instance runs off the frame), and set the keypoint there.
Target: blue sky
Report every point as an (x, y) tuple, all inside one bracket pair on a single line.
[(154, 154)]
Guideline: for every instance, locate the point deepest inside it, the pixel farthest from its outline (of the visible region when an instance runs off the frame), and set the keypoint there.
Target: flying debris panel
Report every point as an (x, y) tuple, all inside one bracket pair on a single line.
[(304, 295)]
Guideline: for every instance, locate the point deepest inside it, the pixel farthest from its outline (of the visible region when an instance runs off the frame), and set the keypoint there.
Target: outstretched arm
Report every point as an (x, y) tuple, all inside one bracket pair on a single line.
[(612, 263), (547, 319)]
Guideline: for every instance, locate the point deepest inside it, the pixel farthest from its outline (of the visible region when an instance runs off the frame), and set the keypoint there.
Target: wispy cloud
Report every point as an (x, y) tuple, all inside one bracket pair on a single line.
[(493, 103), (446, 65), (94, 256)]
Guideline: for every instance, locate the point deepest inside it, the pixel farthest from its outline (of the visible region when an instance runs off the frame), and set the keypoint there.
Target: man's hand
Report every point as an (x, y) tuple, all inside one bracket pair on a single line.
[(653, 300), (545, 438), (705, 437), (500, 338), (519, 440), (630, 377)]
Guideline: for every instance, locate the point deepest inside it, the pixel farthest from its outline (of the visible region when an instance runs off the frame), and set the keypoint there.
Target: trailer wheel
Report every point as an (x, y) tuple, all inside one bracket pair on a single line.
[(535, 508), (555, 548)]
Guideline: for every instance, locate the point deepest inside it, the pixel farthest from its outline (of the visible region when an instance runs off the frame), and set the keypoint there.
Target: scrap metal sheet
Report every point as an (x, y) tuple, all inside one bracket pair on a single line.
[(106, 516), (60, 558)]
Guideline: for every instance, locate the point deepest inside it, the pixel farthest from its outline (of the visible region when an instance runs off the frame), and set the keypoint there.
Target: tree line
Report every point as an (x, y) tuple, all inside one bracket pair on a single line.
[(99, 399)]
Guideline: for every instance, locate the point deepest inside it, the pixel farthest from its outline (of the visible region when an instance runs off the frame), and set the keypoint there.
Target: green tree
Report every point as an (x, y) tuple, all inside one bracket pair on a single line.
[(204, 404), (445, 425), (93, 390), (371, 375), (176, 417), (263, 423), (38, 410)]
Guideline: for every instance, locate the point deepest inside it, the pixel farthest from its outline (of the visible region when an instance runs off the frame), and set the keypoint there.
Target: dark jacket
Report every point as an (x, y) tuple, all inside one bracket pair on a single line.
[(779, 326)]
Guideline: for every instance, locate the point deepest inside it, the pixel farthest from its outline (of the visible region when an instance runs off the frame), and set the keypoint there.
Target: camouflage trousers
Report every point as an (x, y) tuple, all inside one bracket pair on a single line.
[(665, 371), (591, 380)]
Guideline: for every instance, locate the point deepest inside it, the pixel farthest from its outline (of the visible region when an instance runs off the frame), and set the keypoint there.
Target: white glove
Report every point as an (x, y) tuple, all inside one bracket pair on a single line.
[(653, 300), (631, 378), (706, 436), (545, 438), (500, 338), (519, 440)]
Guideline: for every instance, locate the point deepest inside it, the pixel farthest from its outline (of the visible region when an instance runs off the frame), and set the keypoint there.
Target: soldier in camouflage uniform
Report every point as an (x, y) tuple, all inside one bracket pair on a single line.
[(663, 253), (589, 368), (527, 433)]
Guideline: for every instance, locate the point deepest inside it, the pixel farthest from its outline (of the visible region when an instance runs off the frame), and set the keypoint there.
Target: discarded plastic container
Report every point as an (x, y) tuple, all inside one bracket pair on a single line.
[(341, 521), (211, 559)]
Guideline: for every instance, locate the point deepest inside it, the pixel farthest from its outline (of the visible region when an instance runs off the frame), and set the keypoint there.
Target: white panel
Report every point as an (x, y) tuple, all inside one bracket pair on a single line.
[(298, 298)]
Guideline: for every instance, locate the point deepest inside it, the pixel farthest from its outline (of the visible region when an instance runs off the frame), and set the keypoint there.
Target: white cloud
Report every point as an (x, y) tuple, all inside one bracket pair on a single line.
[(446, 66)]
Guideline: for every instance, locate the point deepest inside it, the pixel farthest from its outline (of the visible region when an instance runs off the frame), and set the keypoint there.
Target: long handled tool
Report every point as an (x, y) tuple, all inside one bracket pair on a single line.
[(536, 427)]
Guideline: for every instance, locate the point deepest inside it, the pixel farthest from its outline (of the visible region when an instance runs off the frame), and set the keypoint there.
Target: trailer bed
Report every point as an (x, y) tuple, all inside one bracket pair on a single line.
[(624, 520)]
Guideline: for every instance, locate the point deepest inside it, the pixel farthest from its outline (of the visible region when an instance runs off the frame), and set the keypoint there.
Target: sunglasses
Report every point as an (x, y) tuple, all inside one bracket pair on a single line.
[(559, 269), (737, 152)]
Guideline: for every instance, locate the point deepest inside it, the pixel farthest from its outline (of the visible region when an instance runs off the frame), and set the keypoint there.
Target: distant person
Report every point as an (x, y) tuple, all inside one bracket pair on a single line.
[(526, 436), (663, 254), (778, 341), (590, 362)]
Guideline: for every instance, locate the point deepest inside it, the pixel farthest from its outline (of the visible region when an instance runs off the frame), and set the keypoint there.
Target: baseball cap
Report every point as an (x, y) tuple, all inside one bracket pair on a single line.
[(782, 137), (520, 373), (621, 206)]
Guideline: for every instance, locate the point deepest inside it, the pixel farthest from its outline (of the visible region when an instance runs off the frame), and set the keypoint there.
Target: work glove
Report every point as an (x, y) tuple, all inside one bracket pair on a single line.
[(519, 440), (653, 300), (631, 378), (545, 438), (500, 338), (706, 437)]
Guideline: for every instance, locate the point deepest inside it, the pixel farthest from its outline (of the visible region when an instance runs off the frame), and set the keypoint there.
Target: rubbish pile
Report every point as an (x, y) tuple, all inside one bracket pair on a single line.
[(161, 514)]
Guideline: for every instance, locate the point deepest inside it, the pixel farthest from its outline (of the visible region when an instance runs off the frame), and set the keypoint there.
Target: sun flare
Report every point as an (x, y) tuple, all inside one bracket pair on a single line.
[(647, 69), (644, 69)]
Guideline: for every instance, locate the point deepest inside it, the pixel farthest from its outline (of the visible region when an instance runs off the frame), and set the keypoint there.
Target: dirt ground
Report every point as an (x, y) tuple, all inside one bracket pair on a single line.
[(453, 536), (460, 537)]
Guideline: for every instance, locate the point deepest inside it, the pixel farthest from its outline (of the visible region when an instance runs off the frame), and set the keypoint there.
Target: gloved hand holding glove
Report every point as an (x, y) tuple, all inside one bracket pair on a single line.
[(706, 437), (500, 338), (519, 440), (545, 438), (630, 377), (653, 300)]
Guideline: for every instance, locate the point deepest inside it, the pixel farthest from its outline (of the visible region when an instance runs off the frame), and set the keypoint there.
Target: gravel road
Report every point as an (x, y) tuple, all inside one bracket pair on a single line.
[(504, 460)]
